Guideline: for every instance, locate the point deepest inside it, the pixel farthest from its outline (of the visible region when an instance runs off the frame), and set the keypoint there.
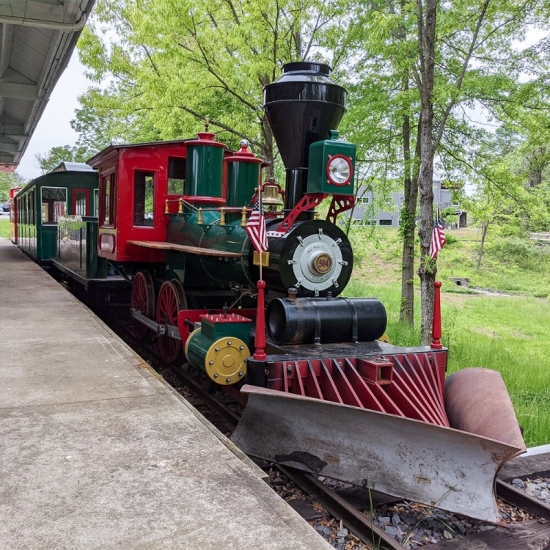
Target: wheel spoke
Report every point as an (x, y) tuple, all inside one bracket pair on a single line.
[(170, 301), (143, 300)]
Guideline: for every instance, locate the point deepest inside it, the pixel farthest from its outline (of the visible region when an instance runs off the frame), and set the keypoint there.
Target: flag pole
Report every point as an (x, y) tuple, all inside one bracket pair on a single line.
[(259, 337), (436, 322)]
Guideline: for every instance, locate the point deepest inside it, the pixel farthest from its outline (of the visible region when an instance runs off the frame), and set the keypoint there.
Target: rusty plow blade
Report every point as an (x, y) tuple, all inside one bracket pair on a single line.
[(435, 465)]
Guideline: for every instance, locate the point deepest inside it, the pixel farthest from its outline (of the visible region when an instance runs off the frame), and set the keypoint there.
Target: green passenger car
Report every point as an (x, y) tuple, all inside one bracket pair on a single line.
[(68, 192)]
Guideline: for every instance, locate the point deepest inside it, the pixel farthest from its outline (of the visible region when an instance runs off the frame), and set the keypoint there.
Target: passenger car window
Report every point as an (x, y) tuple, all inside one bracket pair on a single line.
[(107, 201), (54, 203), (80, 198)]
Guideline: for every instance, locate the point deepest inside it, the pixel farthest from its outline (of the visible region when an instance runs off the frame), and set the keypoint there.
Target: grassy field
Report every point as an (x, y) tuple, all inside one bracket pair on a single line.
[(4, 227), (508, 333), (505, 330)]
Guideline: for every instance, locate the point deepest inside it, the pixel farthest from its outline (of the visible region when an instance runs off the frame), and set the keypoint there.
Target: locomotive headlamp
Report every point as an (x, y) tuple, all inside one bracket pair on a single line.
[(331, 166), (339, 170)]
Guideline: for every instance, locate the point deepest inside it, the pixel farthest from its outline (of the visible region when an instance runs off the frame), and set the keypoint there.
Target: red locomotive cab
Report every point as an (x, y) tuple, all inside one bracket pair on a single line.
[(138, 184)]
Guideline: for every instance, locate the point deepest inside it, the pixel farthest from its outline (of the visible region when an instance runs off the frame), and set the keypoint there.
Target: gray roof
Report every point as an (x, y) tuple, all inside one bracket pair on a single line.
[(37, 38), (73, 167)]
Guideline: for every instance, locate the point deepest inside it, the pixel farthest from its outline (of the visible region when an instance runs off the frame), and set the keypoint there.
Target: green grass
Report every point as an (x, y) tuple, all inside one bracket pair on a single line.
[(505, 333), (508, 335), (5, 228)]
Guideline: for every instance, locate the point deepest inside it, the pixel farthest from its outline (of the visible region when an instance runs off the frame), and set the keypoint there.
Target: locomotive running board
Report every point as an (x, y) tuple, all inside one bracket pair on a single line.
[(435, 465)]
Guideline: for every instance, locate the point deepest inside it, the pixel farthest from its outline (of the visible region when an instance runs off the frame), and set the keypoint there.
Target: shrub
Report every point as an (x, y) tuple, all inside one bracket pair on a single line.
[(450, 238), (514, 251)]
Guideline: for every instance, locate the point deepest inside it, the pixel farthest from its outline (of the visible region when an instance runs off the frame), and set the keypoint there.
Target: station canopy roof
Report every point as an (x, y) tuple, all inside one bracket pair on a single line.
[(37, 38)]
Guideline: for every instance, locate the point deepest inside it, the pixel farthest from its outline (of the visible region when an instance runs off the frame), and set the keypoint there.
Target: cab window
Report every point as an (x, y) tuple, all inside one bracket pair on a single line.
[(144, 197), (54, 203), (108, 200), (176, 176)]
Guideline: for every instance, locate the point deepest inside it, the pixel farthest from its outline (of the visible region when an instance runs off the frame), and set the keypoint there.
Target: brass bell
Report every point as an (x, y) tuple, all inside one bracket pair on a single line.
[(270, 196)]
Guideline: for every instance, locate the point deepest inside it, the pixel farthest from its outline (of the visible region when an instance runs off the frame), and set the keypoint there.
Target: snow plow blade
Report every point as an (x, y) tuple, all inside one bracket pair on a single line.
[(435, 465)]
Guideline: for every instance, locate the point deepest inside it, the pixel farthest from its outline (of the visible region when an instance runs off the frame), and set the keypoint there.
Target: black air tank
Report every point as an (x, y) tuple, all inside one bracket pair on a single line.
[(325, 321)]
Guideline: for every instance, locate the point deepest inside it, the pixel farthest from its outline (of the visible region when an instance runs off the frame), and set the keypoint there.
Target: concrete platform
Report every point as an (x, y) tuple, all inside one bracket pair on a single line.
[(96, 452)]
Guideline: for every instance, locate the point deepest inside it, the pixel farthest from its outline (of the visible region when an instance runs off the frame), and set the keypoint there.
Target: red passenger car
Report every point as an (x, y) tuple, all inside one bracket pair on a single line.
[(13, 214)]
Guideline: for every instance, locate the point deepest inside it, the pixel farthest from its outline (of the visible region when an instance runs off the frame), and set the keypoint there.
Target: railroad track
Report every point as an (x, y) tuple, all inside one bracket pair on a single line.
[(533, 533), (529, 534)]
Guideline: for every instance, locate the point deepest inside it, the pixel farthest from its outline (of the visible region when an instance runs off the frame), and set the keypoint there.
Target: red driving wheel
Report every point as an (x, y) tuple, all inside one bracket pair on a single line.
[(170, 300), (143, 300)]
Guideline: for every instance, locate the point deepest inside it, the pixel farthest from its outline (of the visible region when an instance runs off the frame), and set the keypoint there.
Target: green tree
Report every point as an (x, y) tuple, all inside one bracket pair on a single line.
[(505, 197), (437, 62), (7, 181), (56, 155), (174, 64)]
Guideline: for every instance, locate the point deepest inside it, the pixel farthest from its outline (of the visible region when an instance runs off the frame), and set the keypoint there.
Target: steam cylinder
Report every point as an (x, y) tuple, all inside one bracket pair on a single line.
[(325, 321)]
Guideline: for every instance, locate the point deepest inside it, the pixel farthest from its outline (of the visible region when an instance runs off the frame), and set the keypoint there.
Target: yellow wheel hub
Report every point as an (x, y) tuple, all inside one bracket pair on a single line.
[(225, 361)]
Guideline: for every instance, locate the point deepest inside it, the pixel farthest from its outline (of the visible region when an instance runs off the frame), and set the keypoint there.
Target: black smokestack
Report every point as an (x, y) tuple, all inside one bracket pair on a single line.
[(302, 106)]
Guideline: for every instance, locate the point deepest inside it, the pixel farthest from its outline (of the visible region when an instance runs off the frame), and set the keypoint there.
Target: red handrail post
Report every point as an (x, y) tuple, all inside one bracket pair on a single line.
[(259, 338), (436, 324)]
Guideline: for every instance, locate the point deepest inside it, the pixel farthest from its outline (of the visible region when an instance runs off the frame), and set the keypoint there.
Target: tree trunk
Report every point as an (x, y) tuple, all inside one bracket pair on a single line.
[(428, 266), (427, 270), (484, 227), (408, 224), (537, 162), (267, 149)]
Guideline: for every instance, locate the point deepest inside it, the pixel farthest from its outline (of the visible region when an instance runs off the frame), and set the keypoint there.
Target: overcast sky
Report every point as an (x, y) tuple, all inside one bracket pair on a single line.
[(54, 127)]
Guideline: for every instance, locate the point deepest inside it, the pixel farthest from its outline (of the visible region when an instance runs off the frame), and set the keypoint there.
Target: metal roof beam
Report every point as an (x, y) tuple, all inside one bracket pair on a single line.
[(13, 129), (5, 55), (6, 47), (32, 13), (32, 9), (18, 91), (9, 148)]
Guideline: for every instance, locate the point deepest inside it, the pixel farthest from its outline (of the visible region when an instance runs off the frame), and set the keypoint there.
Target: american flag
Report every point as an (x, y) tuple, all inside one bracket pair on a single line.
[(438, 239), (255, 226)]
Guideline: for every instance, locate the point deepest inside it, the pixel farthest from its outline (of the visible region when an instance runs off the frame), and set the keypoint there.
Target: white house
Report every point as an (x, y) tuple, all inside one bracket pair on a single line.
[(363, 213)]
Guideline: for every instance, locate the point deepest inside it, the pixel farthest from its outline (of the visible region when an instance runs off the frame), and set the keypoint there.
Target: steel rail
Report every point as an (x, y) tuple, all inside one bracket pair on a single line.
[(358, 523), (520, 498)]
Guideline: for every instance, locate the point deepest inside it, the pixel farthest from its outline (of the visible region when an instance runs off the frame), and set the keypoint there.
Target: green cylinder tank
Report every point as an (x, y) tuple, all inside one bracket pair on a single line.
[(243, 176), (204, 173)]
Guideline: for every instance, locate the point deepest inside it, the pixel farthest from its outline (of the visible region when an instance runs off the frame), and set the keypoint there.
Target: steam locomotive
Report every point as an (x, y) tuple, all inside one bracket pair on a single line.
[(322, 391)]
